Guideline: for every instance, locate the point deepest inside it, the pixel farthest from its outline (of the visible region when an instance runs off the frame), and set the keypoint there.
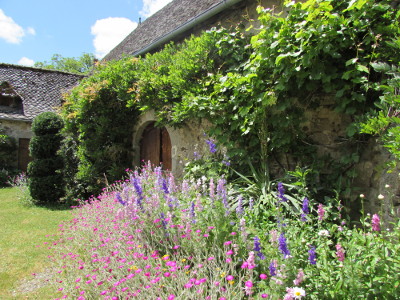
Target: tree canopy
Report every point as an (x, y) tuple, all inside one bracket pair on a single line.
[(78, 65)]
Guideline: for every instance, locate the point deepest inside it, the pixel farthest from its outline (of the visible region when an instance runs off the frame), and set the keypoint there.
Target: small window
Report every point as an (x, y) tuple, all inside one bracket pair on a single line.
[(9, 99)]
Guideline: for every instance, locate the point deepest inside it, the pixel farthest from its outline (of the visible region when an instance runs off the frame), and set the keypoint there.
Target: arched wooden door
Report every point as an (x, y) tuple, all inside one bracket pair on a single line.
[(155, 146)]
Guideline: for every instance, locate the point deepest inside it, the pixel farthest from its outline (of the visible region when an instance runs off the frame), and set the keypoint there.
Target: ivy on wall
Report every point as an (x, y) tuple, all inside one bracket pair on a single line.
[(254, 89)]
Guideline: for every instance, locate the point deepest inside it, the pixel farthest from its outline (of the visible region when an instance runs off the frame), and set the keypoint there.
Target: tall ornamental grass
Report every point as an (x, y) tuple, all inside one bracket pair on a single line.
[(150, 237)]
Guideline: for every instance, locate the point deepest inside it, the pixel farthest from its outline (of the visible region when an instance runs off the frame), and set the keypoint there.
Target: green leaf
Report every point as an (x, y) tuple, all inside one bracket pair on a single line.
[(381, 66), (362, 68), (351, 61)]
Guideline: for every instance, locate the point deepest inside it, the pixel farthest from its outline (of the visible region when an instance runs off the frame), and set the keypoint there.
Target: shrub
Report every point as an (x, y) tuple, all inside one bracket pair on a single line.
[(46, 189), (45, 178), (43, 146), (47, 123), (42, 167)]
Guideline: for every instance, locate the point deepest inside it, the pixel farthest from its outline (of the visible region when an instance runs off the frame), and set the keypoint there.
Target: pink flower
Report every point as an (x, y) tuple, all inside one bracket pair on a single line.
[(340, 252), (171, 297), (300, 277), (321, 212), (167, 274), (229, 252), (376, 223), (250, 263), (230, 277), (248, 288), (171, 263), (263, 276), (264, 295)]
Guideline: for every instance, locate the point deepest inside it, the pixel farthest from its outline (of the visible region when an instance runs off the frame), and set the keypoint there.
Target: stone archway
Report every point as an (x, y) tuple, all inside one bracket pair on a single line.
[(155, 146)]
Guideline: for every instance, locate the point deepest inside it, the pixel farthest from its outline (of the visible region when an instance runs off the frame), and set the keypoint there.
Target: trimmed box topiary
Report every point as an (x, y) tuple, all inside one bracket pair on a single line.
[(46, 182), (47, 123)]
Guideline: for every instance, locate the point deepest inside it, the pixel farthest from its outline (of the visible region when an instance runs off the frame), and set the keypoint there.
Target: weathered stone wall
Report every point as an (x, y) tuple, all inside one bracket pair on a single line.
[(16, 129), (326, 130), (381, 183)]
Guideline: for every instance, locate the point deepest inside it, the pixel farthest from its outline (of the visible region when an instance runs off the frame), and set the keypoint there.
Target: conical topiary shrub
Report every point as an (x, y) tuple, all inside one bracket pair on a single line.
[(44, 171)]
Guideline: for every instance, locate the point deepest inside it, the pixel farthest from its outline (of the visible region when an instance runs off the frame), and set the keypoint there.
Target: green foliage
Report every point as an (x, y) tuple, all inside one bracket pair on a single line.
[(254, 90), (80, 65), (45, 166), (98, 130), (43, 146), (45, 180), (47, 123), (385, 121)]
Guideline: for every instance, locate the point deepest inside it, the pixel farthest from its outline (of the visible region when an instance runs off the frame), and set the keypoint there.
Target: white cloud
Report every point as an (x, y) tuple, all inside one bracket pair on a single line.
[(152, 6), (31, 31), (109, 32), (10, 31), (26, 62)]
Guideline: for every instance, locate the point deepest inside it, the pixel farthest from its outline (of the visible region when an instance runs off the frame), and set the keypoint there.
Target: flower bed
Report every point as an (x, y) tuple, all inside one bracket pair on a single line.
[(149, 237)]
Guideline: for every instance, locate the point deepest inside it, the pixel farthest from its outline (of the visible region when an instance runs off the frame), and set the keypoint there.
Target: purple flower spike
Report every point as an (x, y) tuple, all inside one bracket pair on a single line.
[(281, 193), (312, 256), (212, 146), (283, 246)]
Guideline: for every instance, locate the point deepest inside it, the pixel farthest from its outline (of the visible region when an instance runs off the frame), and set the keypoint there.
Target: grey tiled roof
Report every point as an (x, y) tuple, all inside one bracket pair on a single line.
[(166, 20), (39, 89)]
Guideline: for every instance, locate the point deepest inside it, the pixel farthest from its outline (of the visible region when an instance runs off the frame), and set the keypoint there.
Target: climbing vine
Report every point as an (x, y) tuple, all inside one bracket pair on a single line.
[(253, 88)]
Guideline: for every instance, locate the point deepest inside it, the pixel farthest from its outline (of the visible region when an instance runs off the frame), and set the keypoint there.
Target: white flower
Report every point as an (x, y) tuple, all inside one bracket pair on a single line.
[(381, 197), (387, 186), (323, 232), (297, 292), (362, 196)]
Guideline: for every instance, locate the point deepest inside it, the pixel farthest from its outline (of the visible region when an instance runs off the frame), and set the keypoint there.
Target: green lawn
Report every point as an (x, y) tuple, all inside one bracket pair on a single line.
[(21, 230)]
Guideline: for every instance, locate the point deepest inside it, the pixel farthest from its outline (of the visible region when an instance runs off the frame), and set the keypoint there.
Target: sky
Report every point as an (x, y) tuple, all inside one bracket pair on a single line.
[(34, 30)]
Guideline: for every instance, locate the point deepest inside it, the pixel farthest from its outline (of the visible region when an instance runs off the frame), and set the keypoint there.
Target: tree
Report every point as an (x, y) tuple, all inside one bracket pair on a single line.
[(44, 171), (80, 65)]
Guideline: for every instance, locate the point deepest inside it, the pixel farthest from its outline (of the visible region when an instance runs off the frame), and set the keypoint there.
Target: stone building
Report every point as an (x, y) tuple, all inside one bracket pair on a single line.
[(325, 127), (26, 92), (173, 23)]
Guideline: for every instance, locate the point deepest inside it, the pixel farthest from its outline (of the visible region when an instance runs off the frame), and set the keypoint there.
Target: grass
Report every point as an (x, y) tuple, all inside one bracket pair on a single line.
[(22, 230)]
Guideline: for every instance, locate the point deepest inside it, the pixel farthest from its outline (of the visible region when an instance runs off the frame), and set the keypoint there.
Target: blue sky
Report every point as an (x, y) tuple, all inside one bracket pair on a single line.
[(33, 30)]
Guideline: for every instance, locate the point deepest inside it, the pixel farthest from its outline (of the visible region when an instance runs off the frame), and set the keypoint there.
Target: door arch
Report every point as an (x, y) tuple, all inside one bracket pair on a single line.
[(155, 146)]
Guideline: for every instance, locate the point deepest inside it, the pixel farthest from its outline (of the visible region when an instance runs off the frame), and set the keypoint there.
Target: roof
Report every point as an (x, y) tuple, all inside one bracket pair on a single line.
[(172, 16), (40, 89)]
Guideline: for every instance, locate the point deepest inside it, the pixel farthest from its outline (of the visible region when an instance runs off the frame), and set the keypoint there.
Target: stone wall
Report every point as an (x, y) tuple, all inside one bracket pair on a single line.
[(16, 129)]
